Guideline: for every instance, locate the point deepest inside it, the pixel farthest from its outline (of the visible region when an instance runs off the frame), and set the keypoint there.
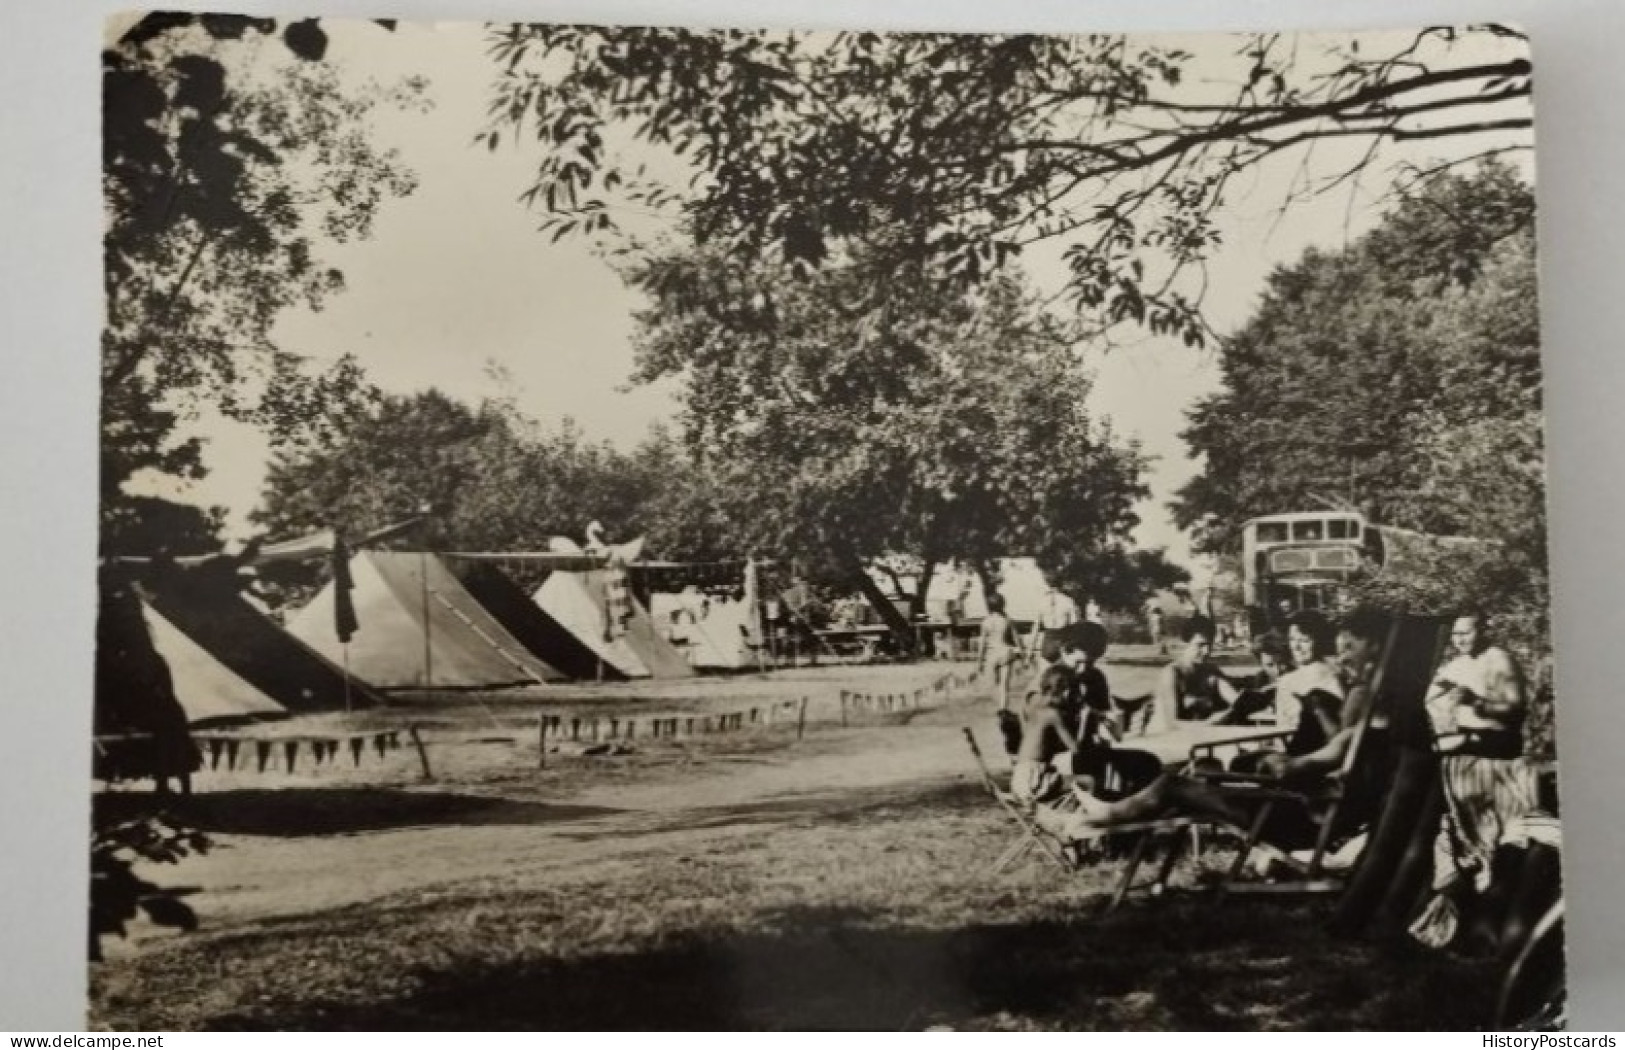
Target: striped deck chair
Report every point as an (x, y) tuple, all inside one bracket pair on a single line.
[(1326, 802)]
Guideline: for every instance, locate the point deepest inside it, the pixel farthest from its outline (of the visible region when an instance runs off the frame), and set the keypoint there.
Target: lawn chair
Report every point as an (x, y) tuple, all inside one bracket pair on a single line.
[(1069, 854), (1323, 802), (1031, 834)]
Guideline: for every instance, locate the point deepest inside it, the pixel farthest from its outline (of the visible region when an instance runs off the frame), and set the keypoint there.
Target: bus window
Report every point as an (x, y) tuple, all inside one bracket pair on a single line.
[(1342, 529), (1290, 560), (1271, 531), (1307, 530)]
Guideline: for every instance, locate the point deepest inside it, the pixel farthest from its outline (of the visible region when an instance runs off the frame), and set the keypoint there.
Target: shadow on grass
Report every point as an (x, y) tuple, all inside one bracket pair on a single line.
[(315, 811), (1164, 967), (832, 808)]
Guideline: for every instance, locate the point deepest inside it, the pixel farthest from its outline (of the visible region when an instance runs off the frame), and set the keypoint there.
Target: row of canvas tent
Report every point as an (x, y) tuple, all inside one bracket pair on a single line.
[(422, 621), (427, 621)]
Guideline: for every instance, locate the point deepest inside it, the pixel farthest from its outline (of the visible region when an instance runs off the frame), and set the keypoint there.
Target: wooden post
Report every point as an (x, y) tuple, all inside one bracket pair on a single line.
[(423, 752), (541, 742), (801, 720), (843, 708)]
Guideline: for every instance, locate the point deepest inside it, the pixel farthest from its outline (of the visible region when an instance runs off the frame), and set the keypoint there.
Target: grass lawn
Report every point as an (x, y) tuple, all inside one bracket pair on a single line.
[(881, 917)]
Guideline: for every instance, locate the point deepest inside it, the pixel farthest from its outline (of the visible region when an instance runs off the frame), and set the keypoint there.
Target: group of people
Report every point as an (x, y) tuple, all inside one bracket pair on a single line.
[(1317, 686)]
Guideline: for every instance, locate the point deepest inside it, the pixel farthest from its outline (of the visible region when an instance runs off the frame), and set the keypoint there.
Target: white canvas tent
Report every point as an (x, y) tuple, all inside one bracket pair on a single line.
[(712, 633), (418, 628), (579, 602), (1021, 583), (209, 692)]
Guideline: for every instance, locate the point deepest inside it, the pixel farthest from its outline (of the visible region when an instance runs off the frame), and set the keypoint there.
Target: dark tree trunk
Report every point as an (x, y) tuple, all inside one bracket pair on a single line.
[(900, 627)]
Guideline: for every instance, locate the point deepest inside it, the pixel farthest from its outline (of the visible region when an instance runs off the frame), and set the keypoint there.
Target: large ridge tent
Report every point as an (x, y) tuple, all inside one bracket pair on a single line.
[(580, 602), (418, 627), (529, 622), (253, 647)]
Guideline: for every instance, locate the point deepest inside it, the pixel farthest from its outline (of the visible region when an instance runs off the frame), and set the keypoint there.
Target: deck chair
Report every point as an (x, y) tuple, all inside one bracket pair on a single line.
[(1323, 803), (1031, 836), (1069, 855)]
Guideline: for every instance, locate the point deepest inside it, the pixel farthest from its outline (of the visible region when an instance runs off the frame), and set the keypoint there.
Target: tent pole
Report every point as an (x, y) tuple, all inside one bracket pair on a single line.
[(345, 651), (428, 659)]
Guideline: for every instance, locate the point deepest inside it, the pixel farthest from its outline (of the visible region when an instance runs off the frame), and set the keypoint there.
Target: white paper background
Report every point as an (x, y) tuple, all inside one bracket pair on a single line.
[(49, 285)]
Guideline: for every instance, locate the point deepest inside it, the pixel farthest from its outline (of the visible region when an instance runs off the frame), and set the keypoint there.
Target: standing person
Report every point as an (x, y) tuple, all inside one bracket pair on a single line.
[(999, 650), (1153, 623)]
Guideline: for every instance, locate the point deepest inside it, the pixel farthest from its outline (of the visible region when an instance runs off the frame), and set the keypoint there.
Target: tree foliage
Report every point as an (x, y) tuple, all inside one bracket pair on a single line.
[(1401, 377), (491, 479), (231, 159), (118, 894), (1348, 383), (858, 412), (962, 151)]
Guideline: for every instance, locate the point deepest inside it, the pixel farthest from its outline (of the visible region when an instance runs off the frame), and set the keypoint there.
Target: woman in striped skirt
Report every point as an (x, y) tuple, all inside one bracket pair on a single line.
[(1477, 704)]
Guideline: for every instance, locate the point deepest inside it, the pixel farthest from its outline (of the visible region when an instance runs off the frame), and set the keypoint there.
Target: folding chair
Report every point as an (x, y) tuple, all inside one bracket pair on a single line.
[(1068, 855), (1031, 834)]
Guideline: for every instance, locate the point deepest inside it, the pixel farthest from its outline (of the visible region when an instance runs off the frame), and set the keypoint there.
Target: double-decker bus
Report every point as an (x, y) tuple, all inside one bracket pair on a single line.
[(1301, 561), (1306, 560)]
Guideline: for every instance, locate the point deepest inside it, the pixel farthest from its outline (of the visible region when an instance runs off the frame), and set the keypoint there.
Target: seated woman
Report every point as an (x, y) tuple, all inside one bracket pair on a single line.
[(1257, 697), (1327, 719), (1477, 705)]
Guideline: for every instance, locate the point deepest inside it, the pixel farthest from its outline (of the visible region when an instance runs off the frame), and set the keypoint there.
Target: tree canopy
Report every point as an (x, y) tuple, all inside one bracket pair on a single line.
[(222, 190), (854, 412), (491, 479), (962, 151), (1400, 376)]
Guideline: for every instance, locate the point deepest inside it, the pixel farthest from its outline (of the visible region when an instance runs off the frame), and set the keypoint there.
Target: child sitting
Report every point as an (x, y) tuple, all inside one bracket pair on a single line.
[(1046, 733)]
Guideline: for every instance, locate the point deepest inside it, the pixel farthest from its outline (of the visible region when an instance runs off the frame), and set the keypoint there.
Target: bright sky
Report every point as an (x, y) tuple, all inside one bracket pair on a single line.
[(457, 276)]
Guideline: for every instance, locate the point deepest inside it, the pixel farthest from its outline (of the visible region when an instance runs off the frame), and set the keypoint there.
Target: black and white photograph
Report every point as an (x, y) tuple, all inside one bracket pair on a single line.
[(617, 527)]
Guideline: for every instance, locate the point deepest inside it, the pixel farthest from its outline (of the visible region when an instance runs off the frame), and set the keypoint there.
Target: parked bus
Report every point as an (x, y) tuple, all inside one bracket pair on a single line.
[(1304, 560)]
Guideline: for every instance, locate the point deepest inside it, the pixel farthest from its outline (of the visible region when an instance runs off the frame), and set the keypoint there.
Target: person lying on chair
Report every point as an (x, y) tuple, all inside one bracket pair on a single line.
[(1327, 721)]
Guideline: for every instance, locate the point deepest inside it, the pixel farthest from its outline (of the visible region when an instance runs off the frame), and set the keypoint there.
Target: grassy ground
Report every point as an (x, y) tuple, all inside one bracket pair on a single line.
[(886, 918), (743, 881)]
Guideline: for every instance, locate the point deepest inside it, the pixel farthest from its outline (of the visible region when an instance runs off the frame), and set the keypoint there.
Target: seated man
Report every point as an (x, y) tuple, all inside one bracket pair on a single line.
[(1100, 756), (1328, 720), (1191, 688)]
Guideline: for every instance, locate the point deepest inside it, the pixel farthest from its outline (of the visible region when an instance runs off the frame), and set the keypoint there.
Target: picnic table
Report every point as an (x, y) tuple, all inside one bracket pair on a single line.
[(1173, 747)]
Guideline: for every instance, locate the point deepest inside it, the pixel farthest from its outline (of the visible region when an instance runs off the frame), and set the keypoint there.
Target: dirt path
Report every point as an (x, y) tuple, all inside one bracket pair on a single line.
[(253, 878), (441, 836)]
